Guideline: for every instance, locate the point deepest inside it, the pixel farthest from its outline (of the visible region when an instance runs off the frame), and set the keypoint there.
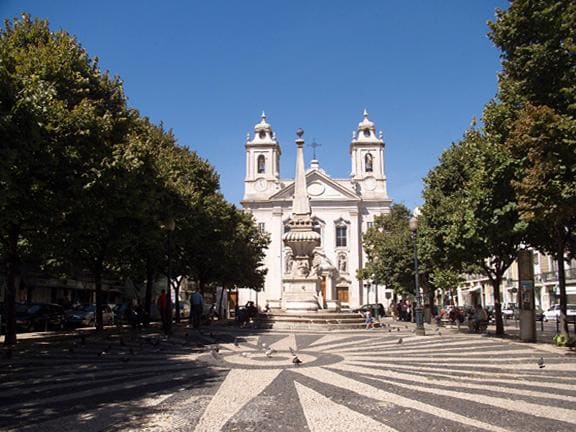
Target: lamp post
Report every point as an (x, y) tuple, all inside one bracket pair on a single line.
[(418, 309)]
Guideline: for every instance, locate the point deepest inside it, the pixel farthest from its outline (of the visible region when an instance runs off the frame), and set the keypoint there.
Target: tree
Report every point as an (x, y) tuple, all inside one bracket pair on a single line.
[(470, 210), (56, 109), (544, 143), (537, 88), (389, 250)]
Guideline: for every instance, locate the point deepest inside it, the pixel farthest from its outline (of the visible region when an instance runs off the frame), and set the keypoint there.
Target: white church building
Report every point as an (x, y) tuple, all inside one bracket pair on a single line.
[(342, 210)]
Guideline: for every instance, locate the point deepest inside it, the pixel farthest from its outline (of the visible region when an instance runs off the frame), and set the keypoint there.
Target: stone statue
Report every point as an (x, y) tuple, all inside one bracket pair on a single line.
[(342, 263)]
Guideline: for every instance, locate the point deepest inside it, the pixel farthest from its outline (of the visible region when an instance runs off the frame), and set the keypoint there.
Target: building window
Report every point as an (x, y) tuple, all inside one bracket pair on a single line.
[(368, 162), (341, 236), (261, 164), (261, 226)]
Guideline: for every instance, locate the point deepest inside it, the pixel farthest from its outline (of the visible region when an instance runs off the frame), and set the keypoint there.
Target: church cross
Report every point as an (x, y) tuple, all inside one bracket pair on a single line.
[(314, 145)]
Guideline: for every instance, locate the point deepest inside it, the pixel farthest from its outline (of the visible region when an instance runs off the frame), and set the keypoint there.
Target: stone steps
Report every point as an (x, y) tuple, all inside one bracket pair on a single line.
[(312, 320)]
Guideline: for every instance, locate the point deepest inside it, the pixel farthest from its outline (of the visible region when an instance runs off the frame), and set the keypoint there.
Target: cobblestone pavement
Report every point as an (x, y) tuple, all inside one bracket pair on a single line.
[(245, 380)]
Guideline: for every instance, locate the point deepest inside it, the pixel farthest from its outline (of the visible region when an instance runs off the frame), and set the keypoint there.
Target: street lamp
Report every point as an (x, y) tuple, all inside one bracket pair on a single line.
[(418, 309)]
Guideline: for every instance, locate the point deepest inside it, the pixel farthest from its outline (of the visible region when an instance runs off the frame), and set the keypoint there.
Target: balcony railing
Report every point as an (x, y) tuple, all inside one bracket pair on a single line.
[(553, 276)]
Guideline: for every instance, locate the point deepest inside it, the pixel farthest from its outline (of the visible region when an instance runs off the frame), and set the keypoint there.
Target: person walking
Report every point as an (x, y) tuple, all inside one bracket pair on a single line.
[(163, 309), (196, 306)]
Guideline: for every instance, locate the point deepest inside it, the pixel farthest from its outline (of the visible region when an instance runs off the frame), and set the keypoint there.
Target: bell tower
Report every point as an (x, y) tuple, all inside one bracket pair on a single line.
[(367, 157), (262, 161)]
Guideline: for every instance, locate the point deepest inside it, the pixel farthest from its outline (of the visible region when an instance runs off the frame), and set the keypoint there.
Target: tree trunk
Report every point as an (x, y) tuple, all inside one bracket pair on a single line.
[(224, 290), (496, 281), (98, 286), (10, 295), (148, 295), (562, 287)]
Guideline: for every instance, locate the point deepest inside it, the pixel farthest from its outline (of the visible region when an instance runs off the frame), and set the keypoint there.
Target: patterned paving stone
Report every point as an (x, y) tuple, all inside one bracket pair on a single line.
[(241, 381)]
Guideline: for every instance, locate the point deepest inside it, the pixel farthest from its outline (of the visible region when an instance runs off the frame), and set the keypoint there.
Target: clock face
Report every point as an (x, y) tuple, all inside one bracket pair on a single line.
[(261, 185), (370, 183)]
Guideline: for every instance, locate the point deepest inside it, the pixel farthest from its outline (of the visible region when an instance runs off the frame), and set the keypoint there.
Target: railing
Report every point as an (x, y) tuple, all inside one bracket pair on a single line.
[(553, 275)]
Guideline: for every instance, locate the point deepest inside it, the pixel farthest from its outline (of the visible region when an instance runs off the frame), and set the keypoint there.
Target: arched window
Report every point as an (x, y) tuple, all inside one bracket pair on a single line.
[(369, 162), (341, 236), (261, 164)]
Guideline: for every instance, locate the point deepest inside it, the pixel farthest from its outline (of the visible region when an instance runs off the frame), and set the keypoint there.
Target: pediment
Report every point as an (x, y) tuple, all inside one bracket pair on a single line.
[(319, 187)]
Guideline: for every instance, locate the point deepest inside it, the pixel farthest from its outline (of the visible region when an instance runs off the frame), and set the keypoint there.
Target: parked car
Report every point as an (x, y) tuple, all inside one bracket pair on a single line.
[(39, 317), (85, 315), (553, 313), (510, 311)]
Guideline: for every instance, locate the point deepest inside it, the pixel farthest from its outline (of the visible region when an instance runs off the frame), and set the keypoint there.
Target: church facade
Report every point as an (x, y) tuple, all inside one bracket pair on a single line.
[(342, 211)]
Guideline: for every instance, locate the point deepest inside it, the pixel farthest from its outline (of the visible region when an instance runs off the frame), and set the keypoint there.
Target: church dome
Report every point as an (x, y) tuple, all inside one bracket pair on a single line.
[(263, 125), (365, 124)]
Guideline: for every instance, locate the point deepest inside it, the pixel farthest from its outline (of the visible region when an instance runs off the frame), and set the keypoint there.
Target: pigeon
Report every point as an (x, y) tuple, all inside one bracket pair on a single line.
[(269, 352), (214, 352), (296, 361), (541, 362), (400, 341), (236, 342), (292, 351)]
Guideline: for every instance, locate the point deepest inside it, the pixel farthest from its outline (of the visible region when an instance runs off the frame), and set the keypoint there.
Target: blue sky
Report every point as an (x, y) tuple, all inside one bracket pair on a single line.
[(422, 69)]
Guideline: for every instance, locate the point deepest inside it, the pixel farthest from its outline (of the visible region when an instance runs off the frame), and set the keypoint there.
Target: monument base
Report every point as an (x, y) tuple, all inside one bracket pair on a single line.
[(300, 295)]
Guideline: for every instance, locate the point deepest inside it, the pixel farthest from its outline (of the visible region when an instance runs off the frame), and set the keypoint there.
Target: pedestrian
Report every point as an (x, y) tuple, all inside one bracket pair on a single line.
[(165, 313), (369, 320), (381, 311), (196, 306)]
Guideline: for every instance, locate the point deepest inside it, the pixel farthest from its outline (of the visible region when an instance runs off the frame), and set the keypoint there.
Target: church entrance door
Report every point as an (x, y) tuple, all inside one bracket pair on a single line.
[(342, 293)]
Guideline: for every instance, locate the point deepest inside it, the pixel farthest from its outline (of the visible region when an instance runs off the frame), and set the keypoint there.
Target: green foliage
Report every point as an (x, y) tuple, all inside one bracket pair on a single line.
[(87, 185), (538, 43), (538, 90), (389, 250)]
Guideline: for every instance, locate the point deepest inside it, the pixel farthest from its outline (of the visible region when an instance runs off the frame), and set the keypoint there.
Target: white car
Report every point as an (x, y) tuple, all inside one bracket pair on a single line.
[(554, 312)]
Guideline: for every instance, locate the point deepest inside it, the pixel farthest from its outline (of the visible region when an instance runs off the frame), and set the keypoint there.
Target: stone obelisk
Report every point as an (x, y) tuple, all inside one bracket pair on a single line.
[(301, 284)]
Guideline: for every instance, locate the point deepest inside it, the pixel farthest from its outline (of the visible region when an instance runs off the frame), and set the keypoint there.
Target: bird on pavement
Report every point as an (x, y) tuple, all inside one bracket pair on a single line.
[(236, 342), (400, 341), (214, 353), (296, 361), (269, 352), (541, 362)]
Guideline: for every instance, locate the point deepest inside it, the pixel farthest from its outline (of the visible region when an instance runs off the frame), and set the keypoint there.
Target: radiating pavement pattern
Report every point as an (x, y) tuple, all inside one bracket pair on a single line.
[(358, 381)]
